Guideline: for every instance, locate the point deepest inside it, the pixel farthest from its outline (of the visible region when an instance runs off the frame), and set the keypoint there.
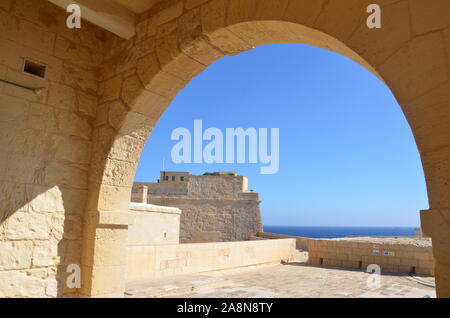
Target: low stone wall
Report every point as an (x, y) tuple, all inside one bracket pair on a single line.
[(390, 254), (301, 242), (392, 258), (154, 225), (151, 262)]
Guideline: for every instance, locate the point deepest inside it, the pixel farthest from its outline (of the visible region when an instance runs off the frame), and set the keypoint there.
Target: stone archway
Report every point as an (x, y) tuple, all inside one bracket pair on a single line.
[(175, 42)]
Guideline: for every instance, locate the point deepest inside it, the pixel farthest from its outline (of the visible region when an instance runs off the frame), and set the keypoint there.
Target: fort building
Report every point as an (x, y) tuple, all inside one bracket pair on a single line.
[(215, 207)]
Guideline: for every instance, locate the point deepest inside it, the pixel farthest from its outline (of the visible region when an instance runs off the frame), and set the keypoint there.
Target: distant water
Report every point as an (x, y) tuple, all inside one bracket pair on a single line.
[(335, 232)]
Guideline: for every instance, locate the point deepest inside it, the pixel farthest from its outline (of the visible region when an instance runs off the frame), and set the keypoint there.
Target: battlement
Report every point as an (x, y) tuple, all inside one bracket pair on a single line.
[(215, 206)]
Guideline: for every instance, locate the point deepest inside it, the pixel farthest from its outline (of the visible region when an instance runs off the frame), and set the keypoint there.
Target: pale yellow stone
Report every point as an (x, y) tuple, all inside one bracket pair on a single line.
[(157, 81), (103, 280), (416, 68), (109, 198), (72, 149), (28, 226), (67, 175), (166, 85), (51, 287), (141, 100), (429, 119), (72, 124), (394, 33), (45, 199), (201, 51), (22, 284), (15, 255), (184, 67), (109, 252), (118, 173), (228, 42), (153, 261), (127, 148)]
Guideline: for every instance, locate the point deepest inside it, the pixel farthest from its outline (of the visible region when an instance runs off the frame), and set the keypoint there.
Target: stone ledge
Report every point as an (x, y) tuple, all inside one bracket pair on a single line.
[(115, 218), (144, 207)]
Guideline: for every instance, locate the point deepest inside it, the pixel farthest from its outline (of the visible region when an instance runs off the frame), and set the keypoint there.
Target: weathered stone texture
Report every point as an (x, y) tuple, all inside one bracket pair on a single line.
[(212, 204), (45, 144)]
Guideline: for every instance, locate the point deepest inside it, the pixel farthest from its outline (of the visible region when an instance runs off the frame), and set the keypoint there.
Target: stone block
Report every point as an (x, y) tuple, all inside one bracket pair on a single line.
[(45, 253), (22, 284), (430, 70), (28, 226), (15, 255)]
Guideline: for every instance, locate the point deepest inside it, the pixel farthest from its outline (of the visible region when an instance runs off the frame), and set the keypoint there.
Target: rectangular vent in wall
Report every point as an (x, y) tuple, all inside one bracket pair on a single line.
[(34, 68)]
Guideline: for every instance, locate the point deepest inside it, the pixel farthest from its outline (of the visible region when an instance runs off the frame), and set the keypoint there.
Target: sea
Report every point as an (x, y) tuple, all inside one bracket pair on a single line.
[(339, 231)]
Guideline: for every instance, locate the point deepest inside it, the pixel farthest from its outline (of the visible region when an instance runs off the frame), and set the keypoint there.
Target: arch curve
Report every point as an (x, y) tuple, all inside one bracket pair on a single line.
[(143, 75)]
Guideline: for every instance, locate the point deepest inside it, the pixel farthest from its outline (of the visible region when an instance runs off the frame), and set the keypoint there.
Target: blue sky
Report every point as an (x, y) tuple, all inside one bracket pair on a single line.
[(347, 154)]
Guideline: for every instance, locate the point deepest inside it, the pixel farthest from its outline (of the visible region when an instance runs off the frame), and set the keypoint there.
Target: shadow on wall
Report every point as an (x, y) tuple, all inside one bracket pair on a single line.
[(40, 235)]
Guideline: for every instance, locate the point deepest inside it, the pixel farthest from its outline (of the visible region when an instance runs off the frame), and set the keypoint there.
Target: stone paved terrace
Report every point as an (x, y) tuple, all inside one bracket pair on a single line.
[(295, 280)]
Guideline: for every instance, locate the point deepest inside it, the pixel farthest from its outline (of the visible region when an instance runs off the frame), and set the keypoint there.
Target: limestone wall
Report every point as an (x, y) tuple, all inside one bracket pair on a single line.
[(45, 144), (215, 208), (392, 258), (392, 255), (150, 262), (153, 225)]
